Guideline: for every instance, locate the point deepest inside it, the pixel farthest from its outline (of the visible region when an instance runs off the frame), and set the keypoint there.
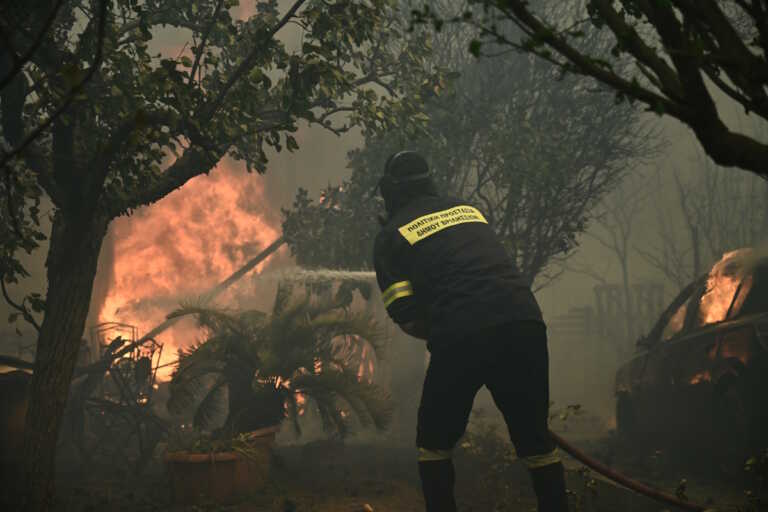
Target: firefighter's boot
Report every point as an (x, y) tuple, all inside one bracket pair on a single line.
[(437, 480), (549, 485)]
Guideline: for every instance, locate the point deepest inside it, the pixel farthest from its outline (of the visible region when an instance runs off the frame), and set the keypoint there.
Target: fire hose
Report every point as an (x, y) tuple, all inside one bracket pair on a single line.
[(623, 480)]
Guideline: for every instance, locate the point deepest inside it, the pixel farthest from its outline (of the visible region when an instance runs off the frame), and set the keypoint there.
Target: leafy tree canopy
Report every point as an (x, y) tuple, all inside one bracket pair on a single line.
[(148, 121), (534, 151), (669, 55)]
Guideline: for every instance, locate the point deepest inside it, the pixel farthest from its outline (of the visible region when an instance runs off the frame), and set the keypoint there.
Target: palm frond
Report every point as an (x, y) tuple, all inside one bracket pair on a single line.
[(196, 364), (212, 405), (294, 313), (300, 331), (361, 326), (188, 382), (371, 404), (289, 343), (331, 414), (230, 336), (333, 420), (212, 319), (184, 395), (253, 319), (201, 349)]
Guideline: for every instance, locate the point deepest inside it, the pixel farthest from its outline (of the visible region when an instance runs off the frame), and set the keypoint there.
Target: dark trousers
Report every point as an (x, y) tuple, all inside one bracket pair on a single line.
[(512, 361)]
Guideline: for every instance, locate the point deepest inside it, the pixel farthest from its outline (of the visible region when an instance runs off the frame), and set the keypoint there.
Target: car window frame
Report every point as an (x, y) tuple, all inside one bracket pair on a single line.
[(654, 336)]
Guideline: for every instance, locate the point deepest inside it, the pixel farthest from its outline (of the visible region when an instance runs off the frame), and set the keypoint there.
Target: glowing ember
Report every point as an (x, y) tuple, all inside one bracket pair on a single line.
[(301, 403), (700, 378), (366, 367), (181, 246)]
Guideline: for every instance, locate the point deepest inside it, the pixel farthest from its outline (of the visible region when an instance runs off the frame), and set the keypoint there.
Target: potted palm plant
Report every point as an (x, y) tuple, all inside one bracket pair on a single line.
[(259, 366)]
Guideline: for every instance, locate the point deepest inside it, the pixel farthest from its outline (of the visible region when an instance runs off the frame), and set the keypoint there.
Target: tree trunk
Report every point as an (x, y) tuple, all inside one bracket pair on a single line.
[(629, 307), (71, 269)]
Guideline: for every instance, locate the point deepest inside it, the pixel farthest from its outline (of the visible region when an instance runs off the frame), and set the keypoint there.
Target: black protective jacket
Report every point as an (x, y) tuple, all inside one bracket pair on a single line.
[(437, 260)]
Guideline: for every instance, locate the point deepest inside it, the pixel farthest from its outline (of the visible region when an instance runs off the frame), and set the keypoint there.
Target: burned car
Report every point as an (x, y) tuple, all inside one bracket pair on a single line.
[(700, 377)]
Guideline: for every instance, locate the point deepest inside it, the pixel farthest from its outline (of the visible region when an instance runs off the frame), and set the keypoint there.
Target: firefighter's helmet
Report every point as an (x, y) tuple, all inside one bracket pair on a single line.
[(406, 173), (405, 167)]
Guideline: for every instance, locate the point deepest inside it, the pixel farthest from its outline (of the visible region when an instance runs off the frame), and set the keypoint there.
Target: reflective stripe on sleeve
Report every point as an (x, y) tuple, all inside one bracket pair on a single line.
[(396, 291), (433, 455), (539, 461)]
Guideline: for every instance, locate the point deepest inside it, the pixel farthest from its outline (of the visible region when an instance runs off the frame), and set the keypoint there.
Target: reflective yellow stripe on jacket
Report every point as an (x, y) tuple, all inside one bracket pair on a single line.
[(396, 291), (431, 223)]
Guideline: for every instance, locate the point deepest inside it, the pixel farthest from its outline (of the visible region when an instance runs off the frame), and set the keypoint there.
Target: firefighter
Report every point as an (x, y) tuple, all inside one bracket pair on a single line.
[(446, 278)]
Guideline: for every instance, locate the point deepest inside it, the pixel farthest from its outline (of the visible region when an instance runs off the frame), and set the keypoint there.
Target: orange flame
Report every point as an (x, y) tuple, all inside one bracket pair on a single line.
[(722, 283), (720, 296), (180, 247)]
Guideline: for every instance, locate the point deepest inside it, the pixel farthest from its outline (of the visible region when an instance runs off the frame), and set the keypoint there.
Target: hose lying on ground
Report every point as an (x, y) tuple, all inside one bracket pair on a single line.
[(624, 480)]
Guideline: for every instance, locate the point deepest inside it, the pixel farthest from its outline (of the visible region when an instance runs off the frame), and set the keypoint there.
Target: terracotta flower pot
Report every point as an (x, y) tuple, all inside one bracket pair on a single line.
[(223, 477), (252, 471), (200, 477)]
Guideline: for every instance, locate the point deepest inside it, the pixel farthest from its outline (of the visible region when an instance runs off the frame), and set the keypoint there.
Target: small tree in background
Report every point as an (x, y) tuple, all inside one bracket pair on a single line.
[(617, 218), (535, 152)]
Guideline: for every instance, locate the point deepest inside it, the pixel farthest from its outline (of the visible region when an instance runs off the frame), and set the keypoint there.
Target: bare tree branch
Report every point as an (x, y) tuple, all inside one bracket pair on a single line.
[(21, 308), (697, 38)]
